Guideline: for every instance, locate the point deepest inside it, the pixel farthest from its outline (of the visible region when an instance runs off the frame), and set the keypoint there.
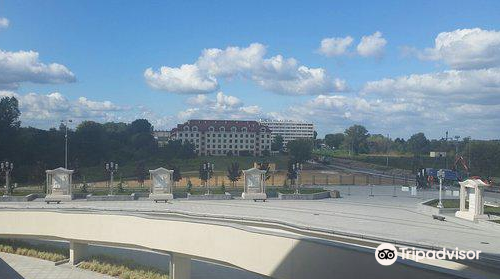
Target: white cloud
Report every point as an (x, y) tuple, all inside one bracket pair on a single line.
[(47, 110), (24, 66), (466, 49), (331, 47), (188, 79), (276, 74), (4, 23), (475, 86), (372, 45), (222, 107)]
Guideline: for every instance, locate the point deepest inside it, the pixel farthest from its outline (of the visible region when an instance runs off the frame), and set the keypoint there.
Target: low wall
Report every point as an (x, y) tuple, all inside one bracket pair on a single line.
[(91, 197), (26, 198), (280, 256), (315, 196), (225, 196), (424, 208)]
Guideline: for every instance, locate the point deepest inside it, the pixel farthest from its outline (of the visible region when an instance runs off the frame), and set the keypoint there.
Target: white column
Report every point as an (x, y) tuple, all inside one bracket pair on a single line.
[(77, 251), (180, 266), (463, 194)]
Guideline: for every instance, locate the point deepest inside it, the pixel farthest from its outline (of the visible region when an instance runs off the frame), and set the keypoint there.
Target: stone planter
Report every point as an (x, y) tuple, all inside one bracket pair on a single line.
[(423, 207), (315, 196), (225, 196), (26, 198), (131, 197)]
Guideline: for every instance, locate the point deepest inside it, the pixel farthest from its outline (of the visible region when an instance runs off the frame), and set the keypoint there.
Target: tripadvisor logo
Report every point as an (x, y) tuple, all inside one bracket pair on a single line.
[(387, 254)]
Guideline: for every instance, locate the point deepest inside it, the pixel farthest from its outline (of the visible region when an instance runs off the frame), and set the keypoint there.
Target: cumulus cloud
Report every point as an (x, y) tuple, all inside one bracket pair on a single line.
[(466, 49), (188, 79), (4, 23), (221, 107), (24, 66), (276, 74), (338, 46), (372, 45), (47, 110), (475, 86)]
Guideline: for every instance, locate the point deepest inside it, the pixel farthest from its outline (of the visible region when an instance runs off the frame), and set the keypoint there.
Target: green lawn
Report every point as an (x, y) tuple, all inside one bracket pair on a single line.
[(448, 203), (302, 191)]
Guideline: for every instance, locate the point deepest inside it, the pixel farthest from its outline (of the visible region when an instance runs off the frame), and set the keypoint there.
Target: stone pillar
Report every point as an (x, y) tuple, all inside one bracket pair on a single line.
[(77, 252), (180, 266), (463, 194)]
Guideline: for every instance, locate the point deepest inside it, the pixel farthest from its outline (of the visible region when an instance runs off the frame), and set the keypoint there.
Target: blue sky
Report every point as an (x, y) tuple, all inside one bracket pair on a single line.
[(394, 86)]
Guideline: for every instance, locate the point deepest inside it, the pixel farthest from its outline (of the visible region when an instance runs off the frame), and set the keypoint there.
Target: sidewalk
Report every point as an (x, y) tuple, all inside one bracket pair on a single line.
[(22, 267)]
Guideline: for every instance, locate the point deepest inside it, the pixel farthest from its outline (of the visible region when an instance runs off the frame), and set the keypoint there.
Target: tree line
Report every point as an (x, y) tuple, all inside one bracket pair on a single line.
[(91, 144)]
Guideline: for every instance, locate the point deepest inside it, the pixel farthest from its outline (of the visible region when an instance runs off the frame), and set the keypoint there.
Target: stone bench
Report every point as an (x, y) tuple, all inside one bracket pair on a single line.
[(437, 217)]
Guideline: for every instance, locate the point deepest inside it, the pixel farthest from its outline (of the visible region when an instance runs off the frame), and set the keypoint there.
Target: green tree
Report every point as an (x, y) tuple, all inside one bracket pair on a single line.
[(9, 126), (334, 140), (234, 173), (418, 144), (9, 113), (265, 166), (301, 149), (355, 139), (140, 172), (277, 144), (176, 176)]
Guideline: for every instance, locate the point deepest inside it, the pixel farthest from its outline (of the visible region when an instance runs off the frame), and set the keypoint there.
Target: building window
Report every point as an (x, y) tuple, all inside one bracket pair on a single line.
[(233, 129), (222, 129), (244, 129), (186, 128), (195, 129), (211, 129)]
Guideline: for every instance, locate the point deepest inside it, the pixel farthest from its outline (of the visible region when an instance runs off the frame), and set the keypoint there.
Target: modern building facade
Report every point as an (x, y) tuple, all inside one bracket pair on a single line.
[(289, 130), (225, 137), (162, 137)]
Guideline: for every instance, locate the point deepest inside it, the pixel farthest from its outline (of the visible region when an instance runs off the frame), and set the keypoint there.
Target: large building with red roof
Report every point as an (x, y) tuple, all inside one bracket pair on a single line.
[(225, 137)]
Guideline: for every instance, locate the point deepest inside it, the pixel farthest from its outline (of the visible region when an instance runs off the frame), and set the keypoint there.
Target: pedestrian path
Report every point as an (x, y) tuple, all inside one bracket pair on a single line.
[(22, 267)]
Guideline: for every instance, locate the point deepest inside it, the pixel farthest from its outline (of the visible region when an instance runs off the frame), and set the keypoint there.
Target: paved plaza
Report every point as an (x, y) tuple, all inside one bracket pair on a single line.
[(382, 216)]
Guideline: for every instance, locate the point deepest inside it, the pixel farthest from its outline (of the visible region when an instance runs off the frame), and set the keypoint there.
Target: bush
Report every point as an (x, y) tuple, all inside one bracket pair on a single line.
[(122, 269), (43, 252)]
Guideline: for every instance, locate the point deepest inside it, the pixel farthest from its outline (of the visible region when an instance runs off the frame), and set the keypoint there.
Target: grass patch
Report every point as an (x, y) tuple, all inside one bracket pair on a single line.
[(495, 221), (23, 248), (302, 191), (447, 203), (123, 269), (454, 203)]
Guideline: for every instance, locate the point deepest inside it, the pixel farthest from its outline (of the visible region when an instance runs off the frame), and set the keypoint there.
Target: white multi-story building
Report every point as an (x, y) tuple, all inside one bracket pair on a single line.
[(289, 129), (224, 137)]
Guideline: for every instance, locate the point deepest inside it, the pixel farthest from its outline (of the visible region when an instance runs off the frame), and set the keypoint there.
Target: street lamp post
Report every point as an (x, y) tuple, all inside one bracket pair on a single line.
[(111, 167), (208, 168), (65, 123), (297, 168), (441, 176), (6, 167)]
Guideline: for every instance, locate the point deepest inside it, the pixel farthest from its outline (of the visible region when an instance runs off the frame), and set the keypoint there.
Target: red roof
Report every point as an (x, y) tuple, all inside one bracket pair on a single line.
[(203, 125)]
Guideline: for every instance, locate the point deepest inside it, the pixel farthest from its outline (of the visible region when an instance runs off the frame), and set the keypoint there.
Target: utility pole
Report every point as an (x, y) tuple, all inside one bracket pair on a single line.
[(297, 169), (65, 123), (111, 167), (387, 151), (208, 168)]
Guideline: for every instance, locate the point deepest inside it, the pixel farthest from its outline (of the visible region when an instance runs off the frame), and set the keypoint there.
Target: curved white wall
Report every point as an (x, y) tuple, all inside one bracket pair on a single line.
[(275, 255)]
